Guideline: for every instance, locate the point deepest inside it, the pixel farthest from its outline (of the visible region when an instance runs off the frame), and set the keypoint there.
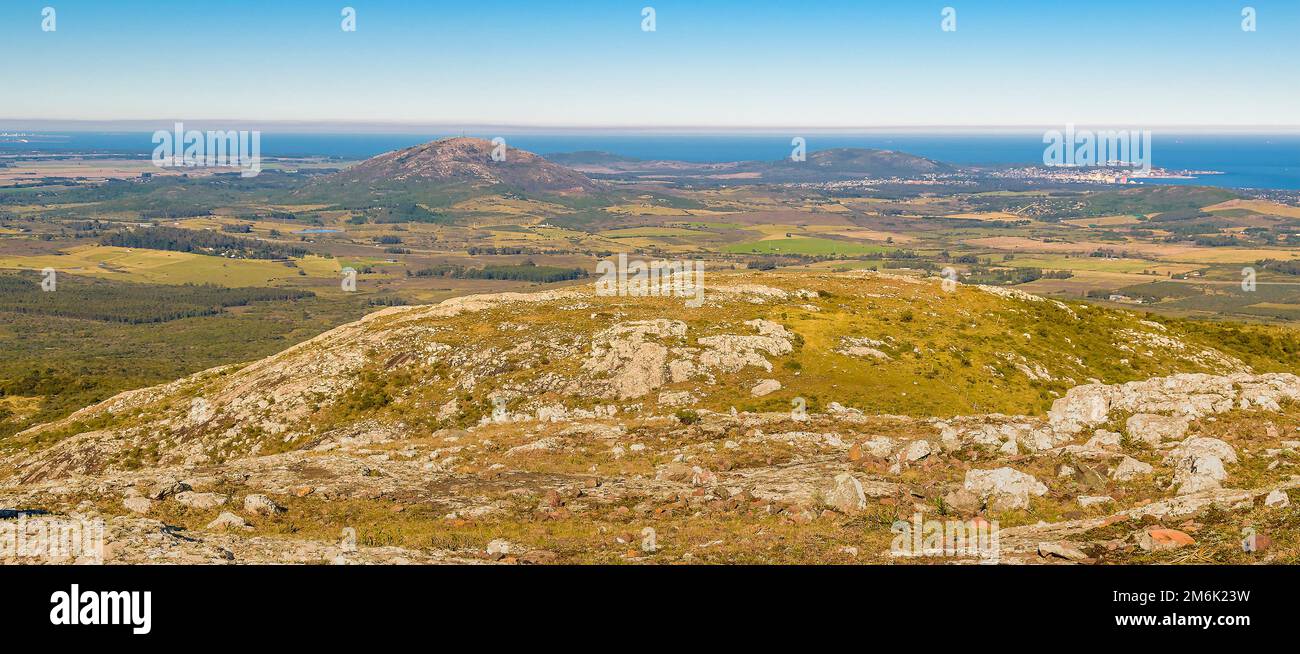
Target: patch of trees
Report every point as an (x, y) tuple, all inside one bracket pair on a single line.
[(1186, 230), (1013, 276), (492, 250), (527, 271), (388, 301), (173, 214), (1216, 240), (119, 302), (1277, 265), (1108, 253), (405, 213), (175, 239), (87, 228)]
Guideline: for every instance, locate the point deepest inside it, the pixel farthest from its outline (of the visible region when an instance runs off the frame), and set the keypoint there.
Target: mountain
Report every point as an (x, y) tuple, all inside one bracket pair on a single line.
[(589, 157), (820, 166), (868, 163), (787, 418), (452, 166)]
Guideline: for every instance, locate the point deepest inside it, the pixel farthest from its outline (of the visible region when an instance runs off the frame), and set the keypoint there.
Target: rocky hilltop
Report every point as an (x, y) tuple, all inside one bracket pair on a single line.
[(790, 418), (452, 164)]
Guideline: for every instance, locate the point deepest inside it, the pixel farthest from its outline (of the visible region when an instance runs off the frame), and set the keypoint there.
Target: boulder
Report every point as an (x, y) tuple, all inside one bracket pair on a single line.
[(962, 501), (1103, 440), (200, 500), (1082, 406), (1130, 469), (499, 548), (165, 489), (1005, 488), (1160, 540), (765, 387), (1199, 464), (1062, 550), (226, 522), (915, 451), (1277, 499), (879, 446), (141, 505), (675, 472), (847, 494), (261, 505), (1154, 429)]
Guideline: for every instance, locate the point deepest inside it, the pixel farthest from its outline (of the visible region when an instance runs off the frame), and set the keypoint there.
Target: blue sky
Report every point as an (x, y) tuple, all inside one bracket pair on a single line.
[(710, 63)]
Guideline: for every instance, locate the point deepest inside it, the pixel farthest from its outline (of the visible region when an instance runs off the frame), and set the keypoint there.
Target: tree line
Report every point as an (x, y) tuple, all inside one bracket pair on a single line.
[(175, 239)]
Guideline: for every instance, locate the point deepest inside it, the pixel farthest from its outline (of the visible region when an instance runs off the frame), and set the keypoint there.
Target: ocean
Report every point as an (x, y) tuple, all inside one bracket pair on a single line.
[(1249, 160)]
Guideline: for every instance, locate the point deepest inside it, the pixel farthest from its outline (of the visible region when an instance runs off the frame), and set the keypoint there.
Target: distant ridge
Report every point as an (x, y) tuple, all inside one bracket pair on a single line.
[(589, 157), (865, 161), (822, 165)]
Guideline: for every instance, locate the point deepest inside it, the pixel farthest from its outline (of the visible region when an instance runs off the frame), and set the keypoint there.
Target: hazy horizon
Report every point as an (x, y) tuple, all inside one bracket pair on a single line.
[(721, 65), (413, 128)]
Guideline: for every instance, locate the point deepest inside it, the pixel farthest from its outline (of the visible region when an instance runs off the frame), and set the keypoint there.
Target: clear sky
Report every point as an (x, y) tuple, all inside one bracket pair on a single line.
[(710, 63)]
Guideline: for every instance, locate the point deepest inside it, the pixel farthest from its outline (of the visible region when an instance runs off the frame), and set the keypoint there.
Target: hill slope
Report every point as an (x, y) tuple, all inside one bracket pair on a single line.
[(558, 420), (451, 166)]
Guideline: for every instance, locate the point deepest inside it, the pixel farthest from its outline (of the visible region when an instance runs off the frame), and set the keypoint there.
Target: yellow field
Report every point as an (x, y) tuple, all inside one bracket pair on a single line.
[(778, 232), (96, 169), (1102, 221), (646, 210), (1230, 255), (159, 267), (1260, 206), (507, 206), (1174, 252), (874, 235), (214, 223), (986, 215), (649, 232), (1276, 305), (1099, 264), (1086, 280)]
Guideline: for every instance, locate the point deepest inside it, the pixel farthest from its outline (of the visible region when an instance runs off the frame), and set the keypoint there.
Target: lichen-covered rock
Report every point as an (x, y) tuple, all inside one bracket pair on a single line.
[(1129, 469), (1199, 464), (140, 505), (847, 494), (227, 522), (1154, 429), (765, 387), (261, 505), (1008, 488), (201, 500)]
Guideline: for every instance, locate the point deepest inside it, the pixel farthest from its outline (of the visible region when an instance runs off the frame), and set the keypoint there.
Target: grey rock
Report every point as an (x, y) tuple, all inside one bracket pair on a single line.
[(261, 505), (1005, 488), (847, 494), (1130, 469), (226, 522)]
